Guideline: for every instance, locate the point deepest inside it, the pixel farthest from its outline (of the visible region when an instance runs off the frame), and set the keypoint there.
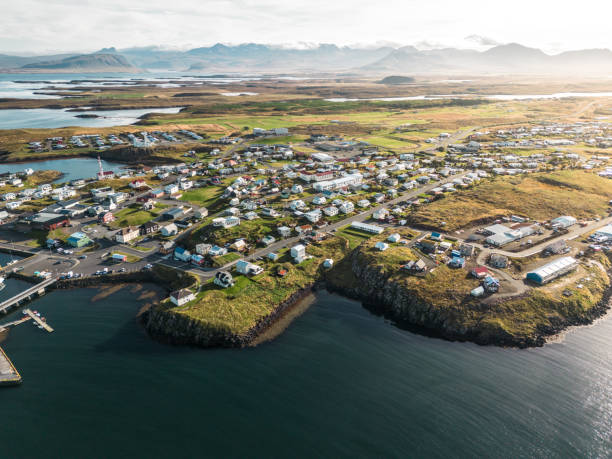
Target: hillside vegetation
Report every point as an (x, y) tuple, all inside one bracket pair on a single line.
[(538, 196)]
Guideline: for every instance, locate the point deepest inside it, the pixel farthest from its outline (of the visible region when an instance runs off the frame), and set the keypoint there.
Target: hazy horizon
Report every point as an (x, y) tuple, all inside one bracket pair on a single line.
[(72, 26)]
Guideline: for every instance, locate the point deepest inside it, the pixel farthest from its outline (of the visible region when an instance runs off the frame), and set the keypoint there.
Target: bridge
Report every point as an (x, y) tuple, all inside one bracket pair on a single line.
[(38, 289)]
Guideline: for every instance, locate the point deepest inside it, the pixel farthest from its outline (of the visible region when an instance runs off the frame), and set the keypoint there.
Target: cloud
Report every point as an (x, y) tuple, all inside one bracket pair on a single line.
[(482, 41), (87, 25)]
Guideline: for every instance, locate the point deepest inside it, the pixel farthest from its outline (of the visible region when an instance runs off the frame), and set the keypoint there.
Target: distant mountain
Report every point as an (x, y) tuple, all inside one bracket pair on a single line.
[(9, 61), (265, 58), (97, 62), (324, 58), (510, 58)]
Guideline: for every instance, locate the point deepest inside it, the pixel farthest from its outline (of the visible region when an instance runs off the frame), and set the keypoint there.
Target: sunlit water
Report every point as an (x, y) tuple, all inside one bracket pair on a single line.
[(339, 382), (73, 169)]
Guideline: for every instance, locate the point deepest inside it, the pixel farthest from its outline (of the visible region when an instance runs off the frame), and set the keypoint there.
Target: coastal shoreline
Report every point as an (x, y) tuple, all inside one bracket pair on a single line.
[(172, 328)]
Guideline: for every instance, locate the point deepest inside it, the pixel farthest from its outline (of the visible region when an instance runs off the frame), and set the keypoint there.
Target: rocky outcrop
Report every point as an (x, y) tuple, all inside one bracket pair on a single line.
[(133, 155), (167, 325), (467, 320)]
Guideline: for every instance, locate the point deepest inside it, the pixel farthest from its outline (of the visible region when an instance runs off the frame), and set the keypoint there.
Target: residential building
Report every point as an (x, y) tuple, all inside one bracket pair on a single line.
[(182, 296), (347, 207), (125, 235), (298, 253), (223, 279), (106, 217), (149, 227), (182, 254), (78, 239), (169, 230), (330, 211), (284, 231), (248, 269), (203, 249)]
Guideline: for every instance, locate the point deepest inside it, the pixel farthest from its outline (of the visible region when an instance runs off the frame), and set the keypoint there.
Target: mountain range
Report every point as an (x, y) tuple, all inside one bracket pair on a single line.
[(326, 58)]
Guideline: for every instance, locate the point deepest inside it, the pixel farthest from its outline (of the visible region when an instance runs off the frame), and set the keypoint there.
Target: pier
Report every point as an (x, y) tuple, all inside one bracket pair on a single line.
[(8, 373), (38, 289), (38, 320), (14, 323)]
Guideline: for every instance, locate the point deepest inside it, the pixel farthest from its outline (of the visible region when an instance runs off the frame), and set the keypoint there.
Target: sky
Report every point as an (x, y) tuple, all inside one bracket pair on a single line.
[(49, 26)]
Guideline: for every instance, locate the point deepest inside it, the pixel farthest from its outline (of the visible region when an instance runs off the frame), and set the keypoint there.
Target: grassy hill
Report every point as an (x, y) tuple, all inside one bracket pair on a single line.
[(539, 196)]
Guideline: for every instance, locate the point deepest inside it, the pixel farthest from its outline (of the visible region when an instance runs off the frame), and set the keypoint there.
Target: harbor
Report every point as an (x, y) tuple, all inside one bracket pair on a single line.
[(9, 376)]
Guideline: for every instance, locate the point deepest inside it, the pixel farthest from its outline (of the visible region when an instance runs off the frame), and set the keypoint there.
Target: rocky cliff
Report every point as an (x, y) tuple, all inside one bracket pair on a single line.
[(431, 304), (170, 326)]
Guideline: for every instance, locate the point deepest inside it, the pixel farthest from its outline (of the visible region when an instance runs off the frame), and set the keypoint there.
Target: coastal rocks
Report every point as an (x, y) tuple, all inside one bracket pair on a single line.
[(464, 319), (172, 327)]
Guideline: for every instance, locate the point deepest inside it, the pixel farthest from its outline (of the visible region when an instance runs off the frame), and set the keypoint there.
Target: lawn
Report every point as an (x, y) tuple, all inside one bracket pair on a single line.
[(239, 308), (206, 196), (353, 237), (133, 215), (222, 260)]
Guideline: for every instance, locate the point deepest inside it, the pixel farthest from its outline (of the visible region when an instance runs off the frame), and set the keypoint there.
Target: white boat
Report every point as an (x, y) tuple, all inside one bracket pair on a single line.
[(2, 279)]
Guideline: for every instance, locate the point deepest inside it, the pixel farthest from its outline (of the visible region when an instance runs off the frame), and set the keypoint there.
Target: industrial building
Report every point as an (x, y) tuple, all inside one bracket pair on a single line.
[(347, 180), (552, 270), (360, 226), (563, 222)]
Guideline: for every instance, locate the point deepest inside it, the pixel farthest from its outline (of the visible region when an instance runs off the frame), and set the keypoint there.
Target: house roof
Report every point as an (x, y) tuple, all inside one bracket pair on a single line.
[(182, 293), (128, 230)]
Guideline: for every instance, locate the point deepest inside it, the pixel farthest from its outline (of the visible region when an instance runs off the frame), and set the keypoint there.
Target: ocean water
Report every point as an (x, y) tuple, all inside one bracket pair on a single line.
[(22, 118), (73, 169), (339, 382)]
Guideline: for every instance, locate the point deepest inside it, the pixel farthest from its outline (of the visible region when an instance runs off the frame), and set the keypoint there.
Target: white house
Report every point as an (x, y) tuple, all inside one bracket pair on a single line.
[(169, 230), (347, 207), (13, 205), (330, 211), (226, 222), (181, 297), (203, 249), (382, 246), (363, 203), (313, 216), (395, 237), (284, 231), (171, 189), (125, 235), (248, 269), (380, 214), (297, 204), (298, 253)]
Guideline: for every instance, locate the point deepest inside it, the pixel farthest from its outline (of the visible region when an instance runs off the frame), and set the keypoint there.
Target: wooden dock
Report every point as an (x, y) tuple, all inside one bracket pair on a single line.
[(14, 323), (38, 320)]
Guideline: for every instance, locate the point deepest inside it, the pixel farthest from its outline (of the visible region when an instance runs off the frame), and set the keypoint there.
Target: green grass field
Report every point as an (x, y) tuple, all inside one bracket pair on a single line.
[(133, 215), (238, 308)]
